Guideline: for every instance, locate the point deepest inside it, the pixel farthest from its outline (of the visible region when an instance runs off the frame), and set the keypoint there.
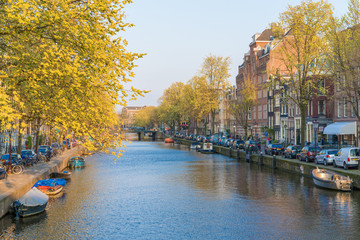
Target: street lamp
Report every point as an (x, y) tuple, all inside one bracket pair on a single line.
[(315, 125), (234, 126)]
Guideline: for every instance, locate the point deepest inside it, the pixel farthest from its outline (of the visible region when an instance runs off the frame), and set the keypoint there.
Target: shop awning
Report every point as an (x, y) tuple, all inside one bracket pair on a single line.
[(341, 128)]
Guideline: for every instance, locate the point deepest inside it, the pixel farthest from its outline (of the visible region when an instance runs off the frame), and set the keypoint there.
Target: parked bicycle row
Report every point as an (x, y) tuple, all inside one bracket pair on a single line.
[(27, 158)]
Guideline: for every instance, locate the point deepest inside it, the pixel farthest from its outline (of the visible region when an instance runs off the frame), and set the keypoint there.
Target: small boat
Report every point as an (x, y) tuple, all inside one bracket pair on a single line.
[(3, 174), (195, 145), (169, 140), (33, 202), (65, 175), (53, 182), (331, 180), (76, 162), (49, 190), (207, 148)]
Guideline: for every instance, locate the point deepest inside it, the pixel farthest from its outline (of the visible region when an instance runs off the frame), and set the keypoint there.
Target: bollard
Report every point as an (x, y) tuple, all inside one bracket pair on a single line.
[(237, 154), (261, 159), (274, 162), (247, 155), (250, 155)]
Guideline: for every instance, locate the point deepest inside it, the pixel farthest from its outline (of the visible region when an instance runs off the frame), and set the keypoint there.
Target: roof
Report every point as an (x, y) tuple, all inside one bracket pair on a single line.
[(265, 35)]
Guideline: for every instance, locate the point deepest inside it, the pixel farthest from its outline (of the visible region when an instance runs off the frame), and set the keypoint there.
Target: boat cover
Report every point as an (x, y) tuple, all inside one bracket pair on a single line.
[(51, 182), (34, 197)]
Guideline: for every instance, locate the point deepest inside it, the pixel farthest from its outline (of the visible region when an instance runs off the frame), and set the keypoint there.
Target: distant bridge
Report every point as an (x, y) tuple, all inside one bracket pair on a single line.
[(154, 135)]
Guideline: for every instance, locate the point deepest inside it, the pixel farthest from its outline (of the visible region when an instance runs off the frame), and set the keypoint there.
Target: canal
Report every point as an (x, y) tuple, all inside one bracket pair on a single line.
[(160, 191)]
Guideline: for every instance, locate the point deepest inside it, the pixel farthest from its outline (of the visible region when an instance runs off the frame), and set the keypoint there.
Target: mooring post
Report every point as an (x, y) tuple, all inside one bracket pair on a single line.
[(274, 162), (261, 159), (237, 154), (250, 155)]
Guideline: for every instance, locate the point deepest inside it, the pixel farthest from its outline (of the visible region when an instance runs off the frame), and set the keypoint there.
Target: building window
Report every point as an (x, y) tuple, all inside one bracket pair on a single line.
[(321, 107), (321, 87), (339, 108), (345, 107), (264, 111)]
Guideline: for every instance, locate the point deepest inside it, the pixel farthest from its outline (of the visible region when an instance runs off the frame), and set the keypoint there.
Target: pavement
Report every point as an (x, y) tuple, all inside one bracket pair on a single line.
[(15, 186)]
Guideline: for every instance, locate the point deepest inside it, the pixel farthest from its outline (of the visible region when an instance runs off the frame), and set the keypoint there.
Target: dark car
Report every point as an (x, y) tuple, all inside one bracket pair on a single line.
[(15, 158), (46, 151), (251, 145), (307, 153), (274, 149), (292, 151), (29, 157)]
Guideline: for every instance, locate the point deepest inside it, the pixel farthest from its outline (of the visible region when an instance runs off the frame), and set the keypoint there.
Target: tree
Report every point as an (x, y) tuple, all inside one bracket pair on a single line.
[(241, 107), (301, 53), (344, 39), (197, 100), (170, 105), (216, 71), (145, 117), (64, 63)]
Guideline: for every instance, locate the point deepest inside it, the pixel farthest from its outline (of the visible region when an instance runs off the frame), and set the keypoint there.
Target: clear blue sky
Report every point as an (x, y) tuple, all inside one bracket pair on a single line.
[(178, 34)]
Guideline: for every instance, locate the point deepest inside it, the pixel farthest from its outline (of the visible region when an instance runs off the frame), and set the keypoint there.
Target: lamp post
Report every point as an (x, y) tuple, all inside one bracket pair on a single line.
[(234, 126), (315, 125)]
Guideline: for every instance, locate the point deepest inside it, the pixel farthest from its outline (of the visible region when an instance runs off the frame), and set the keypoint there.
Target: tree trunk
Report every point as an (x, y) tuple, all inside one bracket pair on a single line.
[(20, 135), (303, 125), (212, 121), (37, 140)]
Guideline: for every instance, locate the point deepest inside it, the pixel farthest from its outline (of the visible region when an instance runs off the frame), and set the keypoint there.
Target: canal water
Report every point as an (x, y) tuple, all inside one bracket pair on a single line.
[(166, 191)]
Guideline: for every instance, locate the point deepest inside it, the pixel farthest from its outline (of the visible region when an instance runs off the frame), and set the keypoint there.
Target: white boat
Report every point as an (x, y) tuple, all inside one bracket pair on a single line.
[(33, 202), (207, 147), (195, 145), (331, 180)]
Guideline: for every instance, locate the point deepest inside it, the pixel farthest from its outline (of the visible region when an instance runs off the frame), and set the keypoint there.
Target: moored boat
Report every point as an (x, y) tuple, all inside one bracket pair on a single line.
[(331, 180), (49, 190), (195, 145), (65, 175), (33, 202), (169, 140), (207, 148), (76, 162)]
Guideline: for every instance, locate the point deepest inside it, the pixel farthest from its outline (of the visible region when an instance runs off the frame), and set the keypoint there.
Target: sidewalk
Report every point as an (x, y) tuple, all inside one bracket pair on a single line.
[(16, 186)]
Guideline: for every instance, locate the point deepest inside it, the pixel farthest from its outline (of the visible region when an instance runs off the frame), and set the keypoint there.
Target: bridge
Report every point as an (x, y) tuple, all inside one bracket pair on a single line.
[(154, 135)]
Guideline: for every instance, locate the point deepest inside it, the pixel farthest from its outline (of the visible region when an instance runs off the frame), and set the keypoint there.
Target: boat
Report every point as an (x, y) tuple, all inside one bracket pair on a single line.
[(76, 162), (65, 175), (52, 182), (331, 180), (49, 190), (32, 203), (207, 148), (195, 145), (169, 140)]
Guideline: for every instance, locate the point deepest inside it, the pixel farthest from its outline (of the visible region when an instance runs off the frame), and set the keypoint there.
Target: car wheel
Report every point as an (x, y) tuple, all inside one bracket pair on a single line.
[(307, 159), (345, 166), (315, 161), (325, 162), (334, 164)]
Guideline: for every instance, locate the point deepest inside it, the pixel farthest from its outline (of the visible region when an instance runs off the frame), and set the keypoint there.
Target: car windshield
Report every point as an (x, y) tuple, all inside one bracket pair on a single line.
[(26, 152), (332, 152), (354, 153), (312, 149)]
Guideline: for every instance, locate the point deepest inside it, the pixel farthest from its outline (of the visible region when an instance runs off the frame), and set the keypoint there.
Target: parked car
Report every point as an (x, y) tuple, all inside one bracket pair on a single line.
[(46, 151), (307, 153), (29, 157), (292, 151), (15, 158), (274, 149), (251, 145), (325, 156), (347, 157), (238, 144)]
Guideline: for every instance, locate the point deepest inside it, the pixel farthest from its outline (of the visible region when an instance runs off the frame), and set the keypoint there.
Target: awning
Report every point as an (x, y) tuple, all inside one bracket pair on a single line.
[(341, 128)]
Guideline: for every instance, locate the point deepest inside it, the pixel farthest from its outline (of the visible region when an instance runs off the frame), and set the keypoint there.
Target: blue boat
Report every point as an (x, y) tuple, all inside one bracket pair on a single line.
[(76, 162), (32, 203)]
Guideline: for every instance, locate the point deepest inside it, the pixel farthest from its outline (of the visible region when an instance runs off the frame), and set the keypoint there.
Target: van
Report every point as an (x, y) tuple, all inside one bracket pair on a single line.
[(347, 157)]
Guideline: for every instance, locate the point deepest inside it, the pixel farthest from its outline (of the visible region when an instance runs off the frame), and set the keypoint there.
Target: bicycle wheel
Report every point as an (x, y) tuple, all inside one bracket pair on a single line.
[(17, 169)]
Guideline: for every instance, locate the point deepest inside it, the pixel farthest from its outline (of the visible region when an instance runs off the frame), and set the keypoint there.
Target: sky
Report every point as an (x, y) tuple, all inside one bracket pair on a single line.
[(177, 35)]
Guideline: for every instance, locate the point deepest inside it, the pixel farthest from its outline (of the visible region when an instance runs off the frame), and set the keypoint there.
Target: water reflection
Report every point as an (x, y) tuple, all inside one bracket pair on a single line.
[(158, 191)]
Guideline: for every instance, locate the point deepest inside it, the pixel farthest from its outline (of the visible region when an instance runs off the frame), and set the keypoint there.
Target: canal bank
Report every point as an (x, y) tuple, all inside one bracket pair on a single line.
[(15, 186), (284, 164)]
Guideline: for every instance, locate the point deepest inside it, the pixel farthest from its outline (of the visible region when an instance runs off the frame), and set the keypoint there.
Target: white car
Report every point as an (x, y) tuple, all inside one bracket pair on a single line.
[(347, 157), (325, 156)]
